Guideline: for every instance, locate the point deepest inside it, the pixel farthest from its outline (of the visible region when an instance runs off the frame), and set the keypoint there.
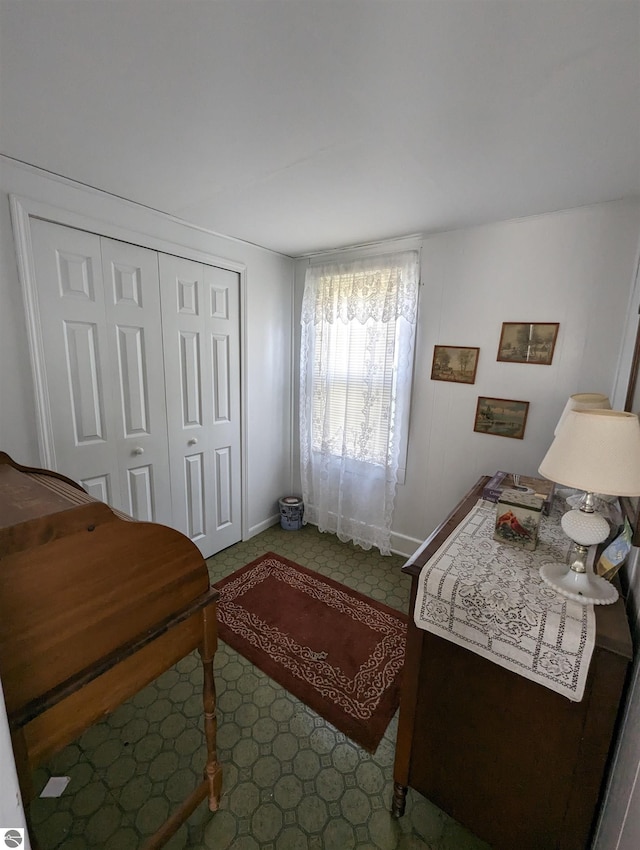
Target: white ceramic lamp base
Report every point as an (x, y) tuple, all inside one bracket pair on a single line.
[(586, 588), (578, 581)]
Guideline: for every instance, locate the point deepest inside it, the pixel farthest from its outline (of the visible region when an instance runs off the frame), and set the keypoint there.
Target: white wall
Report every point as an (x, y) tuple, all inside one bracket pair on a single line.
[(573, 267)]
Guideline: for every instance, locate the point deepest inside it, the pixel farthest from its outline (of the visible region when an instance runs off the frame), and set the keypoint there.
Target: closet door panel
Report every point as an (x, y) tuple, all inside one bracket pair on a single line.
[(71, 310), (200, 311), (190, 383), (87, 401), (142, 498), (195, 496), (222, 292), (224, 488), (186, 385), (98, 487), (133, 318)]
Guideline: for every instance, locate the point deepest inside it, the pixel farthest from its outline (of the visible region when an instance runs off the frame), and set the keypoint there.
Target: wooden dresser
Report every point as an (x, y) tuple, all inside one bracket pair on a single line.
[(518, 764), (93, 607)]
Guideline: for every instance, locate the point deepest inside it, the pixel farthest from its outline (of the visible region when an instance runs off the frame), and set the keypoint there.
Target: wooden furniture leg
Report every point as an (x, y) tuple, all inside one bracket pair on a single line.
[(211, 785), (399, 801), (213, 771)]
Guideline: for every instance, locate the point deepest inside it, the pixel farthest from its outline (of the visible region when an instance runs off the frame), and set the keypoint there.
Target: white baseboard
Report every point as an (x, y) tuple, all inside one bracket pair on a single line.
[(262, 526), (400, 543), (403, 545)]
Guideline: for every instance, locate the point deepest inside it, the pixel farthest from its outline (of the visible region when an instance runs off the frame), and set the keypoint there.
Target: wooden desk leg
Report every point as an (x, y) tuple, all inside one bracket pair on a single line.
[(213, 770), (211, 785), (399, 800)]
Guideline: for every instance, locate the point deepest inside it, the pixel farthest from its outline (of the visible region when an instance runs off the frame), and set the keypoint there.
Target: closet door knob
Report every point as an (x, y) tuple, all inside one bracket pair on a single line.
[(193, 441), (138, 450)]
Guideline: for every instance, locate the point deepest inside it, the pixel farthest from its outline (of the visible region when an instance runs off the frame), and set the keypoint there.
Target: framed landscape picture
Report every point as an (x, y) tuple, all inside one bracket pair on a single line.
[(528, 342), (456, 363), (501, 416)]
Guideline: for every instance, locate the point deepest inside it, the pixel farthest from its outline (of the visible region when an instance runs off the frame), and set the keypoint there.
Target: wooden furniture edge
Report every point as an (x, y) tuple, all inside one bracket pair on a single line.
[(36, 470), (37, 706), (413, 651)]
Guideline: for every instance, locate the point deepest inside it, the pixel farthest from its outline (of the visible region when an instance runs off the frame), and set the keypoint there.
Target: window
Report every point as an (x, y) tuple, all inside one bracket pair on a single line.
[(353, 389)]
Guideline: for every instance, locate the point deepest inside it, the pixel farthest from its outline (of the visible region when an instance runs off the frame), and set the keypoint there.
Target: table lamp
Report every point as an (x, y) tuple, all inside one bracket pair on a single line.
[(597, 451), (583, 401)]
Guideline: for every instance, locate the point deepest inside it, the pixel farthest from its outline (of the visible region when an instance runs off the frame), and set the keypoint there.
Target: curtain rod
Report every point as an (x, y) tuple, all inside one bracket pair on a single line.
[(363, 246)]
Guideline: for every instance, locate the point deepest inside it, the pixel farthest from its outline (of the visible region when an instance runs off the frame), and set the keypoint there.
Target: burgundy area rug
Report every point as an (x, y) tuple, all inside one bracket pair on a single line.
[(338, 651)]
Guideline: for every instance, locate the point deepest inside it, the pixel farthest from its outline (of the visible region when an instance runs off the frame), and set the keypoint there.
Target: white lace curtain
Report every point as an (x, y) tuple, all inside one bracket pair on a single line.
[(358, 329)]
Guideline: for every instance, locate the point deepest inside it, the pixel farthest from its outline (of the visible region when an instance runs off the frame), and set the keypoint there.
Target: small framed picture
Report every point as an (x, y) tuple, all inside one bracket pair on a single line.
[(454, 363), (528, 342), (503, 417)]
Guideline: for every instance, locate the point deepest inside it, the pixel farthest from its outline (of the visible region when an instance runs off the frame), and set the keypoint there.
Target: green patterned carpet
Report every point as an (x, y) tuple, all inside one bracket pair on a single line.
[(291, 781)]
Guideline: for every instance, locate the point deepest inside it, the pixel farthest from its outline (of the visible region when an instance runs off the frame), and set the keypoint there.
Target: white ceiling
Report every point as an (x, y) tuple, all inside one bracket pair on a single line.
[(305, 125)]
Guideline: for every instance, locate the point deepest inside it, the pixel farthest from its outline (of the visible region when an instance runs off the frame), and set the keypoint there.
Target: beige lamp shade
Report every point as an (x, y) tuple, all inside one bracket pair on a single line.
[(597, 451), (583, 401)]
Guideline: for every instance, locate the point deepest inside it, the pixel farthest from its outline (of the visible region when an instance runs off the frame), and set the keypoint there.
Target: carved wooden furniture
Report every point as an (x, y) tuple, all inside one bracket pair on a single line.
[(93, 608), (518, 764)]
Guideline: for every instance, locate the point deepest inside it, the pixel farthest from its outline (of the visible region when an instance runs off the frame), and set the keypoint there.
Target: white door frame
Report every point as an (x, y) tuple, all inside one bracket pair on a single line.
[(23, 210)]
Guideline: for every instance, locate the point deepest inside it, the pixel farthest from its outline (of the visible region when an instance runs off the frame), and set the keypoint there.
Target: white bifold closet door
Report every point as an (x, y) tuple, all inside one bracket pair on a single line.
[(141, 379), (200, 322), (99, 306)]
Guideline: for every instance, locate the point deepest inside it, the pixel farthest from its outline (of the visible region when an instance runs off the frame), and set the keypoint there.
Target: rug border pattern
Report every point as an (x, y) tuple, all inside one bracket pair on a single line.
[(375, 684)]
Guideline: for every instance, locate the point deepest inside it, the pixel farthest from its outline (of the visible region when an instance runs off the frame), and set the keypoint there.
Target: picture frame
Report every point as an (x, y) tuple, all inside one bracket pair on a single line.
[(455, 363), (528, 342), (502, 417)]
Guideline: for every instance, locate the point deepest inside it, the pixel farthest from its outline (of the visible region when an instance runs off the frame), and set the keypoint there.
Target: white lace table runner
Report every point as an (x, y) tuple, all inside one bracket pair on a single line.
[(490, 599)]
